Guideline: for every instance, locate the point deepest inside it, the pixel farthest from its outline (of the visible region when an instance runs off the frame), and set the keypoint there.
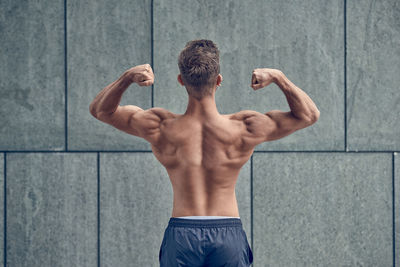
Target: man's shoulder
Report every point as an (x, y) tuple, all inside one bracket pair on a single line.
[(163, 113), (242, 115)]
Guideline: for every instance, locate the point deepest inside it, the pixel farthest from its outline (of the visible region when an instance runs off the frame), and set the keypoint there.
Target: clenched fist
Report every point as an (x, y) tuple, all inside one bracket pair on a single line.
[(263, 77), (142, 75)]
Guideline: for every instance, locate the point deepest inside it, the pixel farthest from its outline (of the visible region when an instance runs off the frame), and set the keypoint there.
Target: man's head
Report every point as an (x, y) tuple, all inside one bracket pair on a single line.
[(199, 66)]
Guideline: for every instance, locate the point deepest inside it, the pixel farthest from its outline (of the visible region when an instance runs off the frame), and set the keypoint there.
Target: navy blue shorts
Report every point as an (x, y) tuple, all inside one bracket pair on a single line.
[(205, 242)]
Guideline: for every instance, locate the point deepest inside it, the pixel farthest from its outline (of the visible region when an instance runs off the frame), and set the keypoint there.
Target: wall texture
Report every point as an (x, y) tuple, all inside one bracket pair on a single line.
[(78, 192)]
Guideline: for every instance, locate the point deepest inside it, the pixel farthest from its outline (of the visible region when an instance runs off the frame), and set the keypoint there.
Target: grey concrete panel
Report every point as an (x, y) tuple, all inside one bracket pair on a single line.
[(51, 209), (397, 207), (104, 40), (304, 39), (322, 209), (243, 198), (2, 209), (136, 201), (373, 67), (32, 75)]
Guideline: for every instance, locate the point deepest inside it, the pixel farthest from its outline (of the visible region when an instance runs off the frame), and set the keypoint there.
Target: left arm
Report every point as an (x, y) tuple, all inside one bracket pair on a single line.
[(130, 119)]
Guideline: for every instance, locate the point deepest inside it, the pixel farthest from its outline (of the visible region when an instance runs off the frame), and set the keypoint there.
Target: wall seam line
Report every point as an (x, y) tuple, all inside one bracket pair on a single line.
[(345, 75), (5, 210), (251, 203), (325, 151), (150, 151), (393, 210), (98, 209), (152, 48), (65, 76)]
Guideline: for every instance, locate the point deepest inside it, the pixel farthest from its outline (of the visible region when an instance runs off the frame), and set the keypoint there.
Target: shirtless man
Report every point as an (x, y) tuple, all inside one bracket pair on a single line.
[(203, 151)]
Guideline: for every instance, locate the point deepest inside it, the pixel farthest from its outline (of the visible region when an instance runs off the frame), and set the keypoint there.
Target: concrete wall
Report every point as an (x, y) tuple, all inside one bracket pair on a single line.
[(77, 192)]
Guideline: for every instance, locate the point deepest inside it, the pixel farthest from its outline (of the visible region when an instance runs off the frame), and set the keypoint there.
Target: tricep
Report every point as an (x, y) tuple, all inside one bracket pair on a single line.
[(270, 126)]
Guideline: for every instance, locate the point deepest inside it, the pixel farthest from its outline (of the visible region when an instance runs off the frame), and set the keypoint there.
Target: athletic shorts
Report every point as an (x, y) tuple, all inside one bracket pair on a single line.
[(210, 242)]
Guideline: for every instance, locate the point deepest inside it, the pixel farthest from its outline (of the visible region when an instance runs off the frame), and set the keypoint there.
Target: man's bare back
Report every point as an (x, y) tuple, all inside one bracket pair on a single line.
[(203, 159), (202, 150)]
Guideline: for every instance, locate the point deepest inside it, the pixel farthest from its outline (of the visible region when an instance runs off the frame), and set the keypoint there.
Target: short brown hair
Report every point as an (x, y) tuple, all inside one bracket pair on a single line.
[(199, 66)]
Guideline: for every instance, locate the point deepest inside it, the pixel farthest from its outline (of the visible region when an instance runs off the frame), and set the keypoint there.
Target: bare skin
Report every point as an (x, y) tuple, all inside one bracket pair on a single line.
[(203, 150)]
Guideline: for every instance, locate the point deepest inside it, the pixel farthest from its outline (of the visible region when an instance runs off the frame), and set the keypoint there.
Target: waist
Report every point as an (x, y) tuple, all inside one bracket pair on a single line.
[(211, 221), (206, 217)]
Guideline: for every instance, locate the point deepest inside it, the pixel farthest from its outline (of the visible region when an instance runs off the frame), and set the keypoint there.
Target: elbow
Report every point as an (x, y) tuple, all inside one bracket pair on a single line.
[(314, 117), (92, 110)]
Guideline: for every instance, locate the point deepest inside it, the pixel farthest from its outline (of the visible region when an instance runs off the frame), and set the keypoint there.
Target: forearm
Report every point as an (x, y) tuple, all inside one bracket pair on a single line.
[(299, 102), (107, 101)]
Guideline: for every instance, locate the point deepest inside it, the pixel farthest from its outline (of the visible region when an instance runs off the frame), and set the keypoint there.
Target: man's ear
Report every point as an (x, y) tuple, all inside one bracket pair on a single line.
[(180, 80), (219, 79)]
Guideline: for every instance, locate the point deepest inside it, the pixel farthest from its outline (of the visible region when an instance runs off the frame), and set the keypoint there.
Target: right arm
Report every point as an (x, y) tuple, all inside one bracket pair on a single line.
[(276, 124)]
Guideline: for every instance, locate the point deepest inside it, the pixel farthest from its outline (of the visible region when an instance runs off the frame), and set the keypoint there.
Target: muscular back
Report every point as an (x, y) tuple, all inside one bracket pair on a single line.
[(203, 159), (212, 146)]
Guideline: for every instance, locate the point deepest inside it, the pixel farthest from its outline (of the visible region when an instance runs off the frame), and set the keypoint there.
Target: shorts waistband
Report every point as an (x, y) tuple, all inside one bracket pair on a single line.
[(173, 221)]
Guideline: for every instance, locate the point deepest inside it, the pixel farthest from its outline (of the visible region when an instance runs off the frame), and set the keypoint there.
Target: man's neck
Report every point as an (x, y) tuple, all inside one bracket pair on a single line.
[(203, 108)]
